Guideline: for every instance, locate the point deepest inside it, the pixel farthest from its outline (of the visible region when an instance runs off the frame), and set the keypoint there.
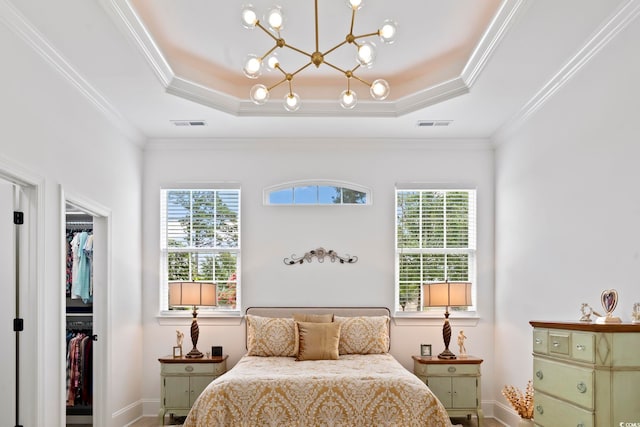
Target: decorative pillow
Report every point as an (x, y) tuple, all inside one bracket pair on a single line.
[(364, 334), (318, 341), (271, 336), (313, 318)]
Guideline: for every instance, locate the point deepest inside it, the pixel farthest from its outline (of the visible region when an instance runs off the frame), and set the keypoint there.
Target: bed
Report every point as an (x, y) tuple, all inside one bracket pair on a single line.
[(328, 367)]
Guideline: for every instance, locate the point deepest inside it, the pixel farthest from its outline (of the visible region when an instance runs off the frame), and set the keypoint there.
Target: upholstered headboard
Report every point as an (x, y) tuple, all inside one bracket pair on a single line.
[(336, 311)]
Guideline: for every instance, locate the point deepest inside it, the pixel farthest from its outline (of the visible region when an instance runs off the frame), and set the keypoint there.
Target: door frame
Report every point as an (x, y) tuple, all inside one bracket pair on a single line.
[(101, 304)]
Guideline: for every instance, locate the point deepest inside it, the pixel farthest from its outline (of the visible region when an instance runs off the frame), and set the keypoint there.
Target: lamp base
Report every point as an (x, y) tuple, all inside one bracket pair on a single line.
[(194, 354), (447, 354)]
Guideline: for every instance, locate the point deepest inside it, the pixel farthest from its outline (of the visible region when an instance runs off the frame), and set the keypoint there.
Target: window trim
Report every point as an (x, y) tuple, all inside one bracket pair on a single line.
[(472, 312), (317, 182), (164, 314)]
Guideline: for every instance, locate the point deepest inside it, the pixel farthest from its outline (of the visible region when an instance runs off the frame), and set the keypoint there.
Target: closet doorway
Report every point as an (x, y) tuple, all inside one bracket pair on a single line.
[(85, 289)]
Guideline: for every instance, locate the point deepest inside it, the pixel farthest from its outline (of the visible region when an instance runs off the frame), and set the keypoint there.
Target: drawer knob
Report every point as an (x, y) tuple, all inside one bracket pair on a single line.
[(540, 409), (188, 368), (580, 347), (539, 375), (556, 344), (451, 369), (582, 387), (538, 341)]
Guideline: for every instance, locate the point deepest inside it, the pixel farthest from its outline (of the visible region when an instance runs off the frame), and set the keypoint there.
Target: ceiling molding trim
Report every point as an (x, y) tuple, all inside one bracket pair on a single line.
[(433, 95), (126, 18), (203, 95), (490, 40), (315, 144), (626, 14), (36, 41)]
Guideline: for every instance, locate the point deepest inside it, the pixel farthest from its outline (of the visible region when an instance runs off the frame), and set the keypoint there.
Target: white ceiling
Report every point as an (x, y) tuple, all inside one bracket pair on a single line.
[(481, 64)]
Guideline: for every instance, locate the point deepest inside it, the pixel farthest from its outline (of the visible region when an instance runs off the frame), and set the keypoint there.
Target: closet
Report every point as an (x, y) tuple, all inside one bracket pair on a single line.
[(79, 316)]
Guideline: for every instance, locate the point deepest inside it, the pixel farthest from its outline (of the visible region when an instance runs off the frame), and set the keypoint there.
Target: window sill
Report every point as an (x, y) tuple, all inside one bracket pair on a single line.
[(402, 318), (230, 318)]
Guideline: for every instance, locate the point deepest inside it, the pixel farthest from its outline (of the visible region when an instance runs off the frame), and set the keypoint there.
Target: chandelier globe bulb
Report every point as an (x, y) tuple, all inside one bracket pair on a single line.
[(366, 54), (259, 94), (249, 16), (388, 31), (354, 4), (291, 102), (275, 18), (272, 61), (252, 66), (348, 99), (379, 89)]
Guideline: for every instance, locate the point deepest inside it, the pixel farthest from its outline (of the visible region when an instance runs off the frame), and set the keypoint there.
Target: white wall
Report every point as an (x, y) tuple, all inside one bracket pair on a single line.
[(51, 131), (271, 233), (567, 205)]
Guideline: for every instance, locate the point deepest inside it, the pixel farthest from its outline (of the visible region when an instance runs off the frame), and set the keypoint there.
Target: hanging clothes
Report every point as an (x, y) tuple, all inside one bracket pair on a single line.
[(81, 248)]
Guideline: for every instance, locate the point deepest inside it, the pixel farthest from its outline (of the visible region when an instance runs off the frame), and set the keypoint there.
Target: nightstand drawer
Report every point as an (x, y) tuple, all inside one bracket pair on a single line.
[(448, 369), (550, 412), (193, 368), (566, 382)]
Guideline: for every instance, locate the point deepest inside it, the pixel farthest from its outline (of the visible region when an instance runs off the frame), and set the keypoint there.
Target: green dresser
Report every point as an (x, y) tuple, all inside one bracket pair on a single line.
[(586, 374)]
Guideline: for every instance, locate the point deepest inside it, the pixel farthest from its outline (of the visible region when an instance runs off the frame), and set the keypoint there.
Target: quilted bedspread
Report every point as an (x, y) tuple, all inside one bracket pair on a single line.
[(356, 390)]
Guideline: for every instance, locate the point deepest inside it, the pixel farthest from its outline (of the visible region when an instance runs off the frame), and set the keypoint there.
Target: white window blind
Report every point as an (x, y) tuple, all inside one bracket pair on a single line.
[(435, 241), (200, 241)]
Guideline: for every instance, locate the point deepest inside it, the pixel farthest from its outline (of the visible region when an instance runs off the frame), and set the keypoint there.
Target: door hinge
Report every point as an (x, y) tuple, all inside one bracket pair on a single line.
[(18, 218), (18, 325)]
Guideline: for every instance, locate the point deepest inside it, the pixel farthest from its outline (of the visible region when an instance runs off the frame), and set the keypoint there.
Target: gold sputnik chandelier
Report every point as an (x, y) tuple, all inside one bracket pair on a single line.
[(365, 57)]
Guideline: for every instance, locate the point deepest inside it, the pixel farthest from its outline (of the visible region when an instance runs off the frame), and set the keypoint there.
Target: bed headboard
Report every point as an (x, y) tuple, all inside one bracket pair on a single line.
[(337, 311)]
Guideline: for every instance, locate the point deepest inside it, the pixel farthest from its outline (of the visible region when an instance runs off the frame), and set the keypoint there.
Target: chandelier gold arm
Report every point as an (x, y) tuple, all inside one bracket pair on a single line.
[(348, 73), (377, 33)]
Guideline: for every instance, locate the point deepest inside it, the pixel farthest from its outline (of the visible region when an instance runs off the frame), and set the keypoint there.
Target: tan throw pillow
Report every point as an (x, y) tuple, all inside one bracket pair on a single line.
[(318, 341), (313, 318), (364, 334), (271, 336)]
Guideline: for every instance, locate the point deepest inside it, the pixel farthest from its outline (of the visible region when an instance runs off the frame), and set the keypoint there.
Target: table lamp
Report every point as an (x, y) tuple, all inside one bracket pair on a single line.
[(193, 294), (446, 294)]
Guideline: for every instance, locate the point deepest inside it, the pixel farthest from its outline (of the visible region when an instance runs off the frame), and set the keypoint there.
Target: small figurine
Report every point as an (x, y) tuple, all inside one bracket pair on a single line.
[(587, 311), (179, 337), (461, 338), (635, 314)]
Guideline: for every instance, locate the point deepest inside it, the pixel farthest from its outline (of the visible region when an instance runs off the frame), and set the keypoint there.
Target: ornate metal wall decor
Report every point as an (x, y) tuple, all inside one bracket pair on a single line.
[(320, 254)]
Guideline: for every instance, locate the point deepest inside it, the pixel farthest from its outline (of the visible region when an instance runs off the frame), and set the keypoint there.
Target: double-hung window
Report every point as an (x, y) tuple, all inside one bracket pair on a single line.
[(200, 242), (435, 241)]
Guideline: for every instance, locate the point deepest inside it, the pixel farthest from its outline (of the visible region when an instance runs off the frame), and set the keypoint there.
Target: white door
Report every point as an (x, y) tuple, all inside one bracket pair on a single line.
[(7, 302)]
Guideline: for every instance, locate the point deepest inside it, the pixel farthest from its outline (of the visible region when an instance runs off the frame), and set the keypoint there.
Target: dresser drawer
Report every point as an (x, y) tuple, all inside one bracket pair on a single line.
[(193, 368), (550, 412), (447, 370), (559, 343), (583, 347), (570, 383), (540, 340)]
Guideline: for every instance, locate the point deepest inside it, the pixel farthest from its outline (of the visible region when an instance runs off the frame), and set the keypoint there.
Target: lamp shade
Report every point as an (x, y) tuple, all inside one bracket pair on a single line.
[(192, 293), (446, 294)]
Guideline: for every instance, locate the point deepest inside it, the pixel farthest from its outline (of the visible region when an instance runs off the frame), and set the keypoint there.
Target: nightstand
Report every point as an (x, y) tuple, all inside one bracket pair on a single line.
[(456, 383), (182, 380)]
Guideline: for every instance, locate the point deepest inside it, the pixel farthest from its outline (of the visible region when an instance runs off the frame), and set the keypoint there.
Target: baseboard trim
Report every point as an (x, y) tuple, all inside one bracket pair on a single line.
[(505, 414), (127, 415), (150, 407)]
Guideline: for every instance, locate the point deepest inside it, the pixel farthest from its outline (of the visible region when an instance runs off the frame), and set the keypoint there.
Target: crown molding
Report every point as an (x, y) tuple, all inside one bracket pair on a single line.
[(606, 32), (39, 44), (179, 85)]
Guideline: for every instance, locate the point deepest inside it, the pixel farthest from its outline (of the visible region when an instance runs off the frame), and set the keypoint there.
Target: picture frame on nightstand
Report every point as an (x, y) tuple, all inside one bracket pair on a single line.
[(177, 351), (425, 349)]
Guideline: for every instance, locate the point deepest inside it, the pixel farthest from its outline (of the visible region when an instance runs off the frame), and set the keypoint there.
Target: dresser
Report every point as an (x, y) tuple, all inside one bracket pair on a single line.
[(586, 374), (182, 380), (456, 383)]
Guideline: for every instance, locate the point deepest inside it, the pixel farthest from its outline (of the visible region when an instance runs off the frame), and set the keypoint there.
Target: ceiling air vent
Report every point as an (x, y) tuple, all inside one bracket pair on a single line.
[(434, 123), (189, 122)]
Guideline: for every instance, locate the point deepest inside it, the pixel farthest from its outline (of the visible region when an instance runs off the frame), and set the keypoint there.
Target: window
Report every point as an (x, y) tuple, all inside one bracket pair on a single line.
[(435, 241), (200, 242), (317, 193)]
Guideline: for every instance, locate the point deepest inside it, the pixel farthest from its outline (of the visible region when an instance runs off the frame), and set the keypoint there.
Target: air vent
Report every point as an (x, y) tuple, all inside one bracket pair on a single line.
[(189, 122), (433, 123)]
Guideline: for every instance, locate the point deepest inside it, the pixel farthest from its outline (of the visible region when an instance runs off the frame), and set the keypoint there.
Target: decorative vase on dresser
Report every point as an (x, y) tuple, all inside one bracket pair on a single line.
[(586, 374)]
